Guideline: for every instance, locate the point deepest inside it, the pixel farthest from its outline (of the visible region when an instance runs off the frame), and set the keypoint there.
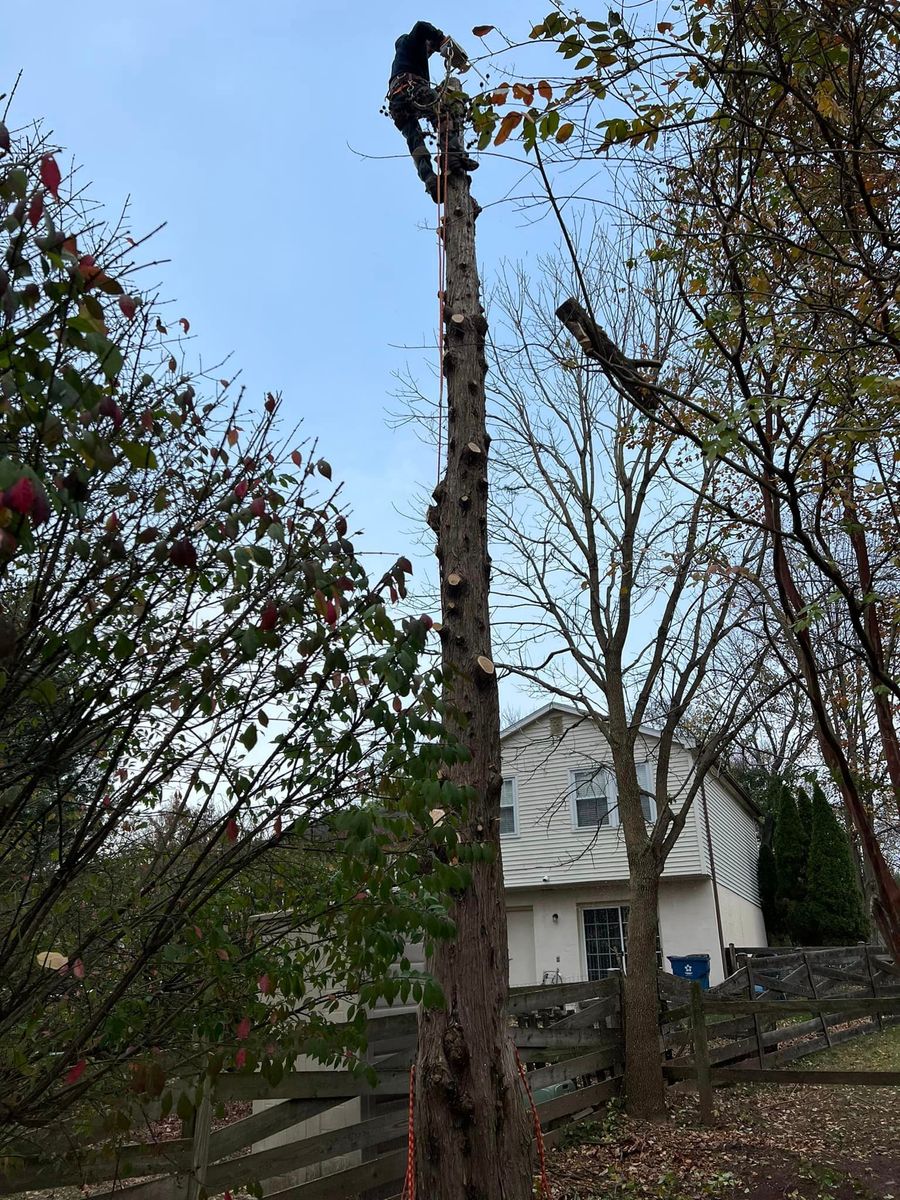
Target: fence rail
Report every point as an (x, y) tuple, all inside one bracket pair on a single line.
[(570, 1034), (577, 1056)]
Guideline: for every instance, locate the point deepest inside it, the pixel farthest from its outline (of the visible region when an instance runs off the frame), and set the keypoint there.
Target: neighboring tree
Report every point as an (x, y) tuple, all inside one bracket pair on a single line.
[(770, 195), (201, 694), (617, 594), (768, 890), (832, 912), (791, 848)]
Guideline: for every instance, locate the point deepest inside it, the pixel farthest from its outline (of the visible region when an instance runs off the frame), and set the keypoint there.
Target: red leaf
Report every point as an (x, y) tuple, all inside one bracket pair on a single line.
[(78, 969), (76, 1072), (223, 954), (545, 90), (331, 614), (397, 705), (232, 436), (198, 932), (184, 323), (240, 1058), (264, 983), (665, 27), (128, 305), (50, 175), (258, 506), (36, 208), (271, 402), (240, 489), (269, 618), (278, 826), (482, 30), (231, 830), (296, 458), (340, 525), (242, 1031)]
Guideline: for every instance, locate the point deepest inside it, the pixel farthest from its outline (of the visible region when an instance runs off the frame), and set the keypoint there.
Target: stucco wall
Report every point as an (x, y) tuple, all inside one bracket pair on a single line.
[(742, 921), (687, 923)]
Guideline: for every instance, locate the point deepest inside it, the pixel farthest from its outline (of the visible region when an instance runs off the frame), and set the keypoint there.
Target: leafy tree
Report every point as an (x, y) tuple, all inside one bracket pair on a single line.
[(790, 845), (768, 890), (202, 696), (768, 197), (832, 912)]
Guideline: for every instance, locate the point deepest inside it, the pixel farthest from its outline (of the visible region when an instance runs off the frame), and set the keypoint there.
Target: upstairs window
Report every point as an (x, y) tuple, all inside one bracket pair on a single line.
[(646, 774), (593, 791), (509, 815)]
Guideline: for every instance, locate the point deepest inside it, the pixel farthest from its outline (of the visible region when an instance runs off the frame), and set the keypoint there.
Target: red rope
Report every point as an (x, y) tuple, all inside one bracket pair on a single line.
[(409, 1183), (538, 1132)]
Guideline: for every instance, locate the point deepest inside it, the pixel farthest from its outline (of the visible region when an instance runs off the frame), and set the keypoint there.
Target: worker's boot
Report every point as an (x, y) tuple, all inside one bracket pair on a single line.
[(432, 188), (458, 161)]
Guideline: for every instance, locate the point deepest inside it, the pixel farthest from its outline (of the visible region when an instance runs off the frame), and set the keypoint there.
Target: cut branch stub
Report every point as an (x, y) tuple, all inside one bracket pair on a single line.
[(485, 665), (474, 450), (454, 580)]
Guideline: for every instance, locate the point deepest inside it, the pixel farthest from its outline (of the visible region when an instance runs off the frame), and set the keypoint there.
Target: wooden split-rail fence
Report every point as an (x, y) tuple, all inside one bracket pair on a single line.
[(328, 1134), (777, 1008)]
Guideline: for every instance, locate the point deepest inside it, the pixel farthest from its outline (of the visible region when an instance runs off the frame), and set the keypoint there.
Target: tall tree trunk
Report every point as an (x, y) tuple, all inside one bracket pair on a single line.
[(887, 892), (472, 1126), (645, 1089)]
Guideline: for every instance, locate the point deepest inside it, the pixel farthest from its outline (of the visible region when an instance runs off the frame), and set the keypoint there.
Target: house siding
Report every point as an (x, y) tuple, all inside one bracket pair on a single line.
[(547, 844), (735, 838)]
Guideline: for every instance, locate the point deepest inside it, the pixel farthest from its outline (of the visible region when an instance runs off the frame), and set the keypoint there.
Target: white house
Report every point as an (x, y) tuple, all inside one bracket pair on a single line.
[(564, 863)]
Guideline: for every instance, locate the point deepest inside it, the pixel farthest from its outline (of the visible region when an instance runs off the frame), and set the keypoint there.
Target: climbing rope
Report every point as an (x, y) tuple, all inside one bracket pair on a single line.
[(443, 129), (409, 1183), (442, 283), (538, 1132)]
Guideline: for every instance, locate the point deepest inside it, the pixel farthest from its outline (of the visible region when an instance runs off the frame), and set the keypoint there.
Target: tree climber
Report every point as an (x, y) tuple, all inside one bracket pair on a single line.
[(412, 98)]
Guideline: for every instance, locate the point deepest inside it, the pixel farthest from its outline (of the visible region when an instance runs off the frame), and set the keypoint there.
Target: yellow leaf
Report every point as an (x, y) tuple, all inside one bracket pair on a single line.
[(565, 132)]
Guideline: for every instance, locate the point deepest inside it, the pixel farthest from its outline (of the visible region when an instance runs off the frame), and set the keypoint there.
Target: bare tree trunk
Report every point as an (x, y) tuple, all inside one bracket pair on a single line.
[(471, 1121), (645, 1089)]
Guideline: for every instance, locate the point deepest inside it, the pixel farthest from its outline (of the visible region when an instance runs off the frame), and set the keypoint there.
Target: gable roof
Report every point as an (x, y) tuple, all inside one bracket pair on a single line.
[(555, 706)]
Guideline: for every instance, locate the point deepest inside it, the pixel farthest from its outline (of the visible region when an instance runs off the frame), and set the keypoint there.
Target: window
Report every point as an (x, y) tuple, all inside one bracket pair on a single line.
[(605, 931), (509, 814), (593, 797), (606, 939), (647, 783)]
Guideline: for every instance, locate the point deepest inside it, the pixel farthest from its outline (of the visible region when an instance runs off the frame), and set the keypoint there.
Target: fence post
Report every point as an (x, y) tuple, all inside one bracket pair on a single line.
[(865, 950), (731, 959), (815, 992), (701, 1055), (757, 1028), (200, 1147)]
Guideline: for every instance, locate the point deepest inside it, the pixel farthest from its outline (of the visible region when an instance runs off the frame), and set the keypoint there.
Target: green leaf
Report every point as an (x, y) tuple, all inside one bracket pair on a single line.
[(141, 457)]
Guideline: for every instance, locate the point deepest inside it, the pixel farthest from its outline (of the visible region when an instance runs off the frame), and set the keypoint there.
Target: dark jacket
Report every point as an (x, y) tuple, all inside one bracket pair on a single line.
[(411, 57)]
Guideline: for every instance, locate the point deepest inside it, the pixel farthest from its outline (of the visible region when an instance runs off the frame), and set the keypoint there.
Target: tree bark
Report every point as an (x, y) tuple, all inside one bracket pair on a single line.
[(645, 1089), (472, 1127)]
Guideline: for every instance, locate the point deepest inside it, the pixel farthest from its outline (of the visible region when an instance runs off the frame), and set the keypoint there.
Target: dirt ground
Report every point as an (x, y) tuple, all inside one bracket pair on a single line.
[(768, 1143)]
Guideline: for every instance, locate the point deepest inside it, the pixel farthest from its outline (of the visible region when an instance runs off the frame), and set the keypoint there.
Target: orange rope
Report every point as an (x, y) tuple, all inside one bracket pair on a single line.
[(538, 1132), (409, 1183)]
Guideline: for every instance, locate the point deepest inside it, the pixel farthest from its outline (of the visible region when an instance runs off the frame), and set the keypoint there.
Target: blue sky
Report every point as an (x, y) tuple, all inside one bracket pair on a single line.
[(244, 128)]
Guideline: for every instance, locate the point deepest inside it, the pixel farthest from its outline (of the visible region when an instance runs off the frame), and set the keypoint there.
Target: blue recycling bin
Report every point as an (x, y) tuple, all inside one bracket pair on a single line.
[(694, 967)]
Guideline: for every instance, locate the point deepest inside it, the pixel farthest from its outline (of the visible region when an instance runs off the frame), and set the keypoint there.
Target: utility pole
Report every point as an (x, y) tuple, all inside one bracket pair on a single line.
[(472, 1125)]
